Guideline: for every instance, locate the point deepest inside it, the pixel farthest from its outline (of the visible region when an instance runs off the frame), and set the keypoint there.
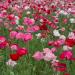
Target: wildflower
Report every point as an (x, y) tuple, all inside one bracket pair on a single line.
[(14, 57), (66, 55), (28, 21), (22, 51), (38, 55), (11, 63), (56, 33)]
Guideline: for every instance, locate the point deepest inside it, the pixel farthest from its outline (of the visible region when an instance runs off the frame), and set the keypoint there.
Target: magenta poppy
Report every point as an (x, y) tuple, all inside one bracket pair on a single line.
[(22, 51), (66, 55)]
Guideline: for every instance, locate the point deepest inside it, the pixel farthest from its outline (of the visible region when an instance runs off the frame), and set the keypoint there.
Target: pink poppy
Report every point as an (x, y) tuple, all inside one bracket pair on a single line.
[(38, 56), (28, 21), (13, 34)]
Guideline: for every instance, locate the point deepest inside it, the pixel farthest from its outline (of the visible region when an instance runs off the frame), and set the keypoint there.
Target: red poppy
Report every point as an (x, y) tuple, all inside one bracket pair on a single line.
[(60, 67), (43, 26), (69, 42), (14, 57), (66, 74)]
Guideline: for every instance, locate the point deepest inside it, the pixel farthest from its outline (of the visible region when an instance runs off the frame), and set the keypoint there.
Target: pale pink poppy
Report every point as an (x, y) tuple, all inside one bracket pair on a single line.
[(13, 34), (38, 56)]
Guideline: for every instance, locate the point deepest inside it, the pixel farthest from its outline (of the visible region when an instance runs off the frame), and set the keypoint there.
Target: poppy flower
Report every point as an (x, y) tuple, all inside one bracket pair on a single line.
[(66, 54), (38, 56), (69, 42), (48, 11), (50, 43), (43, 27), (22, 51), (14, 47), (9, 1), (14, 57), (11, 17), (3, 42), (11, 63), (60, 67)]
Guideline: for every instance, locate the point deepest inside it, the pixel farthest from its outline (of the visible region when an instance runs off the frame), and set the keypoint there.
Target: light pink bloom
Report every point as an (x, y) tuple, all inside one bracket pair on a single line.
[(46, 50), (14, 47), (29, 29), (1, 20), (49, 56), (59, 42), (72, 10), (13, 34), (27, 37), (20, 27), (19, 35), (1, 15), (53, 49), (63, 29), (38, 56), (35, 28), (11, 63), (71, 35)]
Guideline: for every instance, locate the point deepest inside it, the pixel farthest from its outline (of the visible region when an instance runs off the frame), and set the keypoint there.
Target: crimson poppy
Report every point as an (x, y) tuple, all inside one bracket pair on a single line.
[(69, 42), (14, 57)]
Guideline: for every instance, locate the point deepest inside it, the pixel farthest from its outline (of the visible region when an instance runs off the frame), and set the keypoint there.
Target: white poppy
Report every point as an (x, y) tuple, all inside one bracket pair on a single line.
[(56, 33)]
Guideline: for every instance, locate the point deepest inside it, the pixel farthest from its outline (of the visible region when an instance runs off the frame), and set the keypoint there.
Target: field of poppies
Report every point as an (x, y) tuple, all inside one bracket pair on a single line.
[(37, 37)]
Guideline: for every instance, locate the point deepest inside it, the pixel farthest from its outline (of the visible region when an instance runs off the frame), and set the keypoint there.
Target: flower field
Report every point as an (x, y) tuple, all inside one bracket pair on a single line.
[(37, 37)]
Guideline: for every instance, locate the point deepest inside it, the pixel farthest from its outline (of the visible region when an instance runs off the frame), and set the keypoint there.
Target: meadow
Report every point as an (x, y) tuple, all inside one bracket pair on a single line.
[(37, 37)]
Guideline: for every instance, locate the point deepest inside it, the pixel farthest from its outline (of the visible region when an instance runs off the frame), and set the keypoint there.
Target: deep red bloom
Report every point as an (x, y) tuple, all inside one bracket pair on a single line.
[(14, 57), (60, 67), (53, 7), (69, 42), (66, 74), (43, 27)]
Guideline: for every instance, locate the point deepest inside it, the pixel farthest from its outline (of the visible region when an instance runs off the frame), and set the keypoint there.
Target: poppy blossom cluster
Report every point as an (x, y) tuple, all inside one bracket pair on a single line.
[(19, 53), (49, 21)]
